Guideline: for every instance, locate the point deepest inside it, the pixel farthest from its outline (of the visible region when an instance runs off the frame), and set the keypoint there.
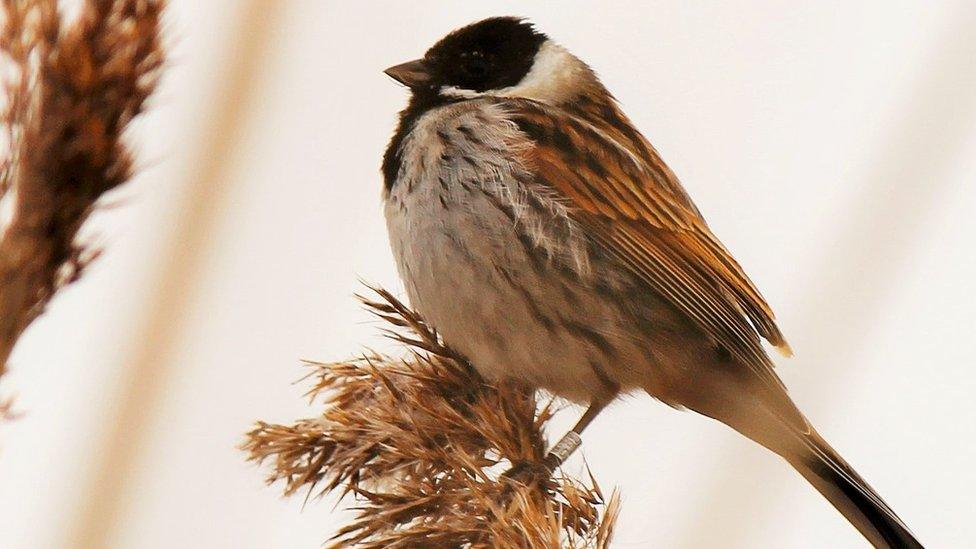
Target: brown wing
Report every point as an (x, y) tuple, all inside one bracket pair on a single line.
[(637, 210)]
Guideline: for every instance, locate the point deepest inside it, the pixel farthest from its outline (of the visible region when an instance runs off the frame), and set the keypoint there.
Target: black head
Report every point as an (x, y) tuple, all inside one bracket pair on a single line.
[(488, 55)]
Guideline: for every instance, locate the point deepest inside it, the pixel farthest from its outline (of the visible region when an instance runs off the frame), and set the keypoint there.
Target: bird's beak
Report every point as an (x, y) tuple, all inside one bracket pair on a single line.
[(411, 74)]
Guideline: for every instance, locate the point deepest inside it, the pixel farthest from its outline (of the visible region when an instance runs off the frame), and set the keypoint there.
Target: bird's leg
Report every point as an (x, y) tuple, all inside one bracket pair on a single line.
[(572, 440), (525, 471)]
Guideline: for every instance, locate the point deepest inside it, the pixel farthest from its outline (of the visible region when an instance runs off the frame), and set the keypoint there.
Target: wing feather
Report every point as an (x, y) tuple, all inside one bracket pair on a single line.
[(635, 208)]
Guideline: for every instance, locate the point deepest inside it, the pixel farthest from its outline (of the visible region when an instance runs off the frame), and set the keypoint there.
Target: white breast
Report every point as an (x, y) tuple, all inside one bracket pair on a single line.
[(488, 257)]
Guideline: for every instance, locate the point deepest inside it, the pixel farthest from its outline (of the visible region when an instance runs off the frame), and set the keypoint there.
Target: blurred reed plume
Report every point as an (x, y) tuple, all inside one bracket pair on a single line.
[(71, 89), (421, 443)]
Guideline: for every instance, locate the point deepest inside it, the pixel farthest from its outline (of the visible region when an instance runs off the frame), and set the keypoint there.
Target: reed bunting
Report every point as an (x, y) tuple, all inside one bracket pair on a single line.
[(544, 238)]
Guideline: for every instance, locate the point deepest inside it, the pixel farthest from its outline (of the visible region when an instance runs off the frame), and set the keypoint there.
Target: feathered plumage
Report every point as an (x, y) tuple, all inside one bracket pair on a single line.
[(545, 238)]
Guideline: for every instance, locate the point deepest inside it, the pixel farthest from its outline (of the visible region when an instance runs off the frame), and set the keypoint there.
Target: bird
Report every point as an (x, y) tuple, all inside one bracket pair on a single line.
[(544, 238)]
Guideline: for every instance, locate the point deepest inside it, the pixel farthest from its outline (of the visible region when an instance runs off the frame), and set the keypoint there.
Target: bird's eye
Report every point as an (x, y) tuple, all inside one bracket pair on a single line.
[(476, 67)]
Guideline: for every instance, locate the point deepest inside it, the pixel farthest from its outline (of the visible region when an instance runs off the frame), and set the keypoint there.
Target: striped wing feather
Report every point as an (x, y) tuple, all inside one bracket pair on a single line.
[(634, 206)]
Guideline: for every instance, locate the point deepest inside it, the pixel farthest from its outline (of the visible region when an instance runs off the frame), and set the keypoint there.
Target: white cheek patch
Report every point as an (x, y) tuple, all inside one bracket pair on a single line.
[(454, 91), (555, 75)]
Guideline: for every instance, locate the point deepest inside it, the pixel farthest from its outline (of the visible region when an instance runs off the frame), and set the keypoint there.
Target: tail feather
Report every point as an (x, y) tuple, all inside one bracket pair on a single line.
[(771, 419), (823, 468)]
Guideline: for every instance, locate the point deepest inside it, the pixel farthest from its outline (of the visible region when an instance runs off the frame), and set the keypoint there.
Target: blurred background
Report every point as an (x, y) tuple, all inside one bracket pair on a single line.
[(831, 145)]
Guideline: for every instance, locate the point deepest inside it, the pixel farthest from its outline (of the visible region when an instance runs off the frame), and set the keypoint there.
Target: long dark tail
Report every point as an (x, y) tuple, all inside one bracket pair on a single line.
[(769, 417), (823, 467)]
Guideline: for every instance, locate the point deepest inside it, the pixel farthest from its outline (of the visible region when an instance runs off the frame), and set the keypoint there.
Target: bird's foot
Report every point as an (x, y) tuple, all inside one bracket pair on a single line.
[(527, 472)]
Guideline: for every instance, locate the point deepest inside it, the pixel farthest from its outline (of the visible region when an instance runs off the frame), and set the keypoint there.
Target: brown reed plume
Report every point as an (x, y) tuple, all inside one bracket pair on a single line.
[(420, 444), (72, 89)]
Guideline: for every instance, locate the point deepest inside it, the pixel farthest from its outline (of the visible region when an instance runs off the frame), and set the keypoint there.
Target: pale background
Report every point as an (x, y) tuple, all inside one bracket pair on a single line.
[(832, 146)]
